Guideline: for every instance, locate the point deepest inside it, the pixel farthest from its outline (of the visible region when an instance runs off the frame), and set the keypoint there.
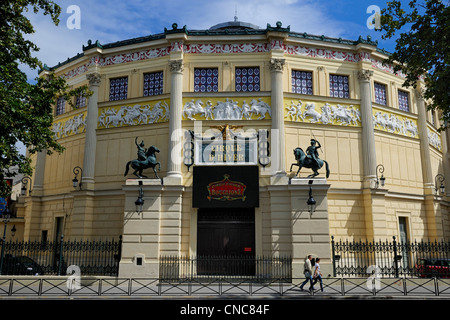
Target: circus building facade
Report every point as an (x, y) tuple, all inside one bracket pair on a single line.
[(213, 142)]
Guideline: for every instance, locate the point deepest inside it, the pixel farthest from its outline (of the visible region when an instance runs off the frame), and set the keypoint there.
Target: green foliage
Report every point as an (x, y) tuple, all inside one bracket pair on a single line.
[(26, 112), (422, 48)]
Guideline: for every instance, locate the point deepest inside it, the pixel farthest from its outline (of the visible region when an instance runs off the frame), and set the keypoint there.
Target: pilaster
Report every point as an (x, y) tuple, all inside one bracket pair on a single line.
[(375, 213)]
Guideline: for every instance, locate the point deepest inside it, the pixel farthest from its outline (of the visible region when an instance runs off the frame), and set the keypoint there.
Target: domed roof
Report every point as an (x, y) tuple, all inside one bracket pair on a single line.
[(239, 25)]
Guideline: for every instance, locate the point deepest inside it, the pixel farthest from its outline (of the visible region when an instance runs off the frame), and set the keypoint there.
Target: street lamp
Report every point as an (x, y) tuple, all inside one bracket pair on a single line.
[(140, 201), (23, 190), (76, 171), (382, 179), (5, 217), (311, 202), (442, 186)]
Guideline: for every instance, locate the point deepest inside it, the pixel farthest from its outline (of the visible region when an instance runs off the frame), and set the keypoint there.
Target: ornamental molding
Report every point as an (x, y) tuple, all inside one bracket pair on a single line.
[(227, 48), (133, 115), (365, 75), (232, 48), (277, 64), (226, 110), (94, 78), (176, 65)]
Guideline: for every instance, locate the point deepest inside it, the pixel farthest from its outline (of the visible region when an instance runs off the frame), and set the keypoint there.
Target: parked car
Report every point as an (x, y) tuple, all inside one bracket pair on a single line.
[(428, 268), (21, 265)]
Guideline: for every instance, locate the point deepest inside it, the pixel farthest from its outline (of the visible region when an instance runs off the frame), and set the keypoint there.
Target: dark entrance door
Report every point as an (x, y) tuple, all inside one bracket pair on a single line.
[(226, 241)]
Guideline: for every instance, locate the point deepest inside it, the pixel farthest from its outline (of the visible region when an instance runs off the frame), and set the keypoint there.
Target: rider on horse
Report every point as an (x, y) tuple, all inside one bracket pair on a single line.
[(311, 151)]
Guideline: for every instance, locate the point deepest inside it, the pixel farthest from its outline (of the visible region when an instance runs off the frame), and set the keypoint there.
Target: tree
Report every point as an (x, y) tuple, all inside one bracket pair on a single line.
[(422, 49), (26, 112)]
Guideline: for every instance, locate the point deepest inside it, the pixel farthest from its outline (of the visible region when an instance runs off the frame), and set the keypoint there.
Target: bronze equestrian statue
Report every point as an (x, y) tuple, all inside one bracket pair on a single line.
[(146, 159), (310, 159)]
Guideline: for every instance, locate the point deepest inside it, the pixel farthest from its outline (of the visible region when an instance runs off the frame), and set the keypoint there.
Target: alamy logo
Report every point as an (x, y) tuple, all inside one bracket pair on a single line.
[(74, 21), (373, 22)]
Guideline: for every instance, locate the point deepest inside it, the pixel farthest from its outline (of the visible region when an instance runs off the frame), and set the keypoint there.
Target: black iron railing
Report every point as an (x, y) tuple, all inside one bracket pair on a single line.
[(391, 258), (174, 268), (85, 257)]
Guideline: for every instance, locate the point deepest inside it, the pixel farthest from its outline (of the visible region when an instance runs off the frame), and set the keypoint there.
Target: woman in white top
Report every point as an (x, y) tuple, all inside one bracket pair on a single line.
[(317, 276)]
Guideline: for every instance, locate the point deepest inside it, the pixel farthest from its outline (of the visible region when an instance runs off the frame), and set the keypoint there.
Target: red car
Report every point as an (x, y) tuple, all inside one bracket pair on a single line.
[(439, 268)]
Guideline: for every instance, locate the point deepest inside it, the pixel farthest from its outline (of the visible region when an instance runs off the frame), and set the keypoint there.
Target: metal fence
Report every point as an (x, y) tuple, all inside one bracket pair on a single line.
[(391, 259), (91, 287), (174, 268), (85, 257)]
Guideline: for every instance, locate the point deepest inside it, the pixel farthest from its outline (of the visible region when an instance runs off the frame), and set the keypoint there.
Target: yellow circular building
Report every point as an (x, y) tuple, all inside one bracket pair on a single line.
[(233, 118)]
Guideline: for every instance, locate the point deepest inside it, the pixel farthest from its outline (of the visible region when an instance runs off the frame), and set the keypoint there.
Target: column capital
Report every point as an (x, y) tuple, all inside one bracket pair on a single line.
[(94, 78), (176, 65), (419, 92), (277, 64), (365, 75)]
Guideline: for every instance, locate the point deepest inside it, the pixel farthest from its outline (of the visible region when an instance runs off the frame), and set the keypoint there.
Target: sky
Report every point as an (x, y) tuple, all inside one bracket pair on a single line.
[(113, 20)]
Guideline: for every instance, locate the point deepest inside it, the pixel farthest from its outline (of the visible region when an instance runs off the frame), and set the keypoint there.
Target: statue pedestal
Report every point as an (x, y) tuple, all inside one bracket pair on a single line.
[(153, 232), (295, 231), (310, 231)]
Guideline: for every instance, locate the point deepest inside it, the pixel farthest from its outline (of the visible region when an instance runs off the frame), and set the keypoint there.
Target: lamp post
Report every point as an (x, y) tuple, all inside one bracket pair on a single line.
[(140, 201), (5, 217), (382, 179), (76, 171), (23, 190), (441, 178), (311, 202)]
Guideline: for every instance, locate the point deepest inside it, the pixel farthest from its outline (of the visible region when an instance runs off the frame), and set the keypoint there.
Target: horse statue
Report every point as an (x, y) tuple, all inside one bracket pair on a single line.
[(310, 159), (146, 160)]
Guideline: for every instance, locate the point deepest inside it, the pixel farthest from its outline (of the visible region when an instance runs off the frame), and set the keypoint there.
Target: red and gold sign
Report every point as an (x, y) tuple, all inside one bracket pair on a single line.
[(226, 190)]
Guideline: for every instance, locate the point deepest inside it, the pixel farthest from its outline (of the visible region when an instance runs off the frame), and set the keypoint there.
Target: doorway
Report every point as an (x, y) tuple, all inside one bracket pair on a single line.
[(226, 241)]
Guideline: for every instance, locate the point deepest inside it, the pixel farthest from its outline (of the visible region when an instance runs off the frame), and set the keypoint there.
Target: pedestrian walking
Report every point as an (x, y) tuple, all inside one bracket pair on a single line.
[(308, 274), (317, 276)]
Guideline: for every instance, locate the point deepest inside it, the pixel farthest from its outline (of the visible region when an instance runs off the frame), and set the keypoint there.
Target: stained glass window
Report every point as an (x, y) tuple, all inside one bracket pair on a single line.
[(153, 83), (403, 100), (60, 106), (206, 79), (339, 86), (302, 82), (380, 93), (118, 89), (247, 79)]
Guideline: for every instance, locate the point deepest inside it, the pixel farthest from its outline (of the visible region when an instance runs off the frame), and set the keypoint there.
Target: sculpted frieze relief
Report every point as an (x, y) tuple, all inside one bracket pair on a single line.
[(344, 115), (394, 123), (70, 126), (256, 109), (133, 115), (434, 139)]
